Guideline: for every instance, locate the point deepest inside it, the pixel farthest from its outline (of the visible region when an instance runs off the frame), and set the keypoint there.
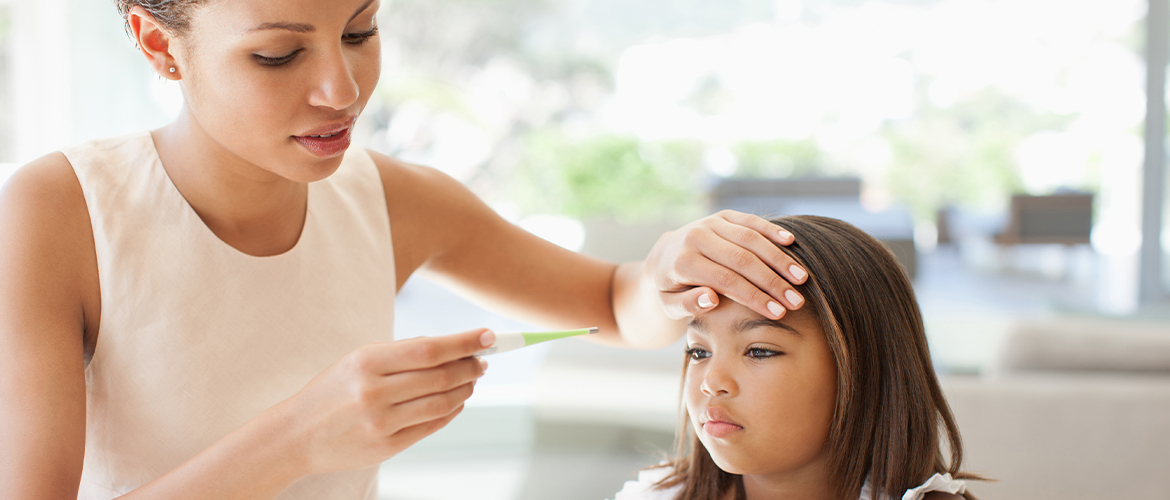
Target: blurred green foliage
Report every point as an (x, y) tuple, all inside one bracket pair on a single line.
[(962, 155), (609, 176), (778, 158)]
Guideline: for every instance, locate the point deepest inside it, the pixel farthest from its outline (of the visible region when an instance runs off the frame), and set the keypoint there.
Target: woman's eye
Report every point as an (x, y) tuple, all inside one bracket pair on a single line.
[(696, 353), (759, 352), (275, 61), (359, 38)]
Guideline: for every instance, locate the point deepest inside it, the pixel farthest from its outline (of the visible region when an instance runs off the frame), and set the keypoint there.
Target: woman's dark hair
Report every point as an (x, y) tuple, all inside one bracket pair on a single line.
[(886, 423), (175, 15)]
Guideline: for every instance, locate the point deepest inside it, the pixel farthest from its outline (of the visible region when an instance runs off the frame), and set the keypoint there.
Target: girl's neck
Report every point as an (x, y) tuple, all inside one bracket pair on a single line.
[(807, 483), (256, 211)]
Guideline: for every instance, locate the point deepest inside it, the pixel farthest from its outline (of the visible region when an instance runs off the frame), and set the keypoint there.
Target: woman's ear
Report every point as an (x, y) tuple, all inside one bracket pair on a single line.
[(154, 41)]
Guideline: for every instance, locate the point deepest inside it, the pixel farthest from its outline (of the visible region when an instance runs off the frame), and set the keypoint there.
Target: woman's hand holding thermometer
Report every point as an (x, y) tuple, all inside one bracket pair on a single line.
[(373, 403), (507, 341)]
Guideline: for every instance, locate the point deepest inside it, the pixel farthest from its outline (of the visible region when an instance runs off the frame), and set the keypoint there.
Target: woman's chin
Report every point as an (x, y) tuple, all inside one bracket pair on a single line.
[(311, 170)]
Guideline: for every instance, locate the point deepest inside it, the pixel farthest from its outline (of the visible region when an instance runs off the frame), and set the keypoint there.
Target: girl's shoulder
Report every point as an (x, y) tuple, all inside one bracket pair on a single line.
[(938, 487), (643, 487)]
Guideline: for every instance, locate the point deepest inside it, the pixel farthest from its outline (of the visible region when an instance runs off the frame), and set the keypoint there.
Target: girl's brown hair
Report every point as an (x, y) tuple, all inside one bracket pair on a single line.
[(889, 407)]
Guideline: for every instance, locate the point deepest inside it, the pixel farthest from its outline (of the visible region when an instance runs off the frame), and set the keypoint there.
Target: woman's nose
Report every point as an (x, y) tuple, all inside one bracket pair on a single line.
[(336, 86), (719, 381)]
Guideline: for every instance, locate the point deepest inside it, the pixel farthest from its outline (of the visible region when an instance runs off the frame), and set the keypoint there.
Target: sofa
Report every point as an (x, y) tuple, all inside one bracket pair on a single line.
[(1073, 408)]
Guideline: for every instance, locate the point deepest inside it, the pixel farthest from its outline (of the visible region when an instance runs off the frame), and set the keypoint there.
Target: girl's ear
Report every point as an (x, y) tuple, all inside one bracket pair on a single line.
[(154, 41)]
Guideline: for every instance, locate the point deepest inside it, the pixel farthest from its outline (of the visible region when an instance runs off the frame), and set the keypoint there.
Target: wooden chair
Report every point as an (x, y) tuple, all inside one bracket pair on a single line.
[(1055, 219)]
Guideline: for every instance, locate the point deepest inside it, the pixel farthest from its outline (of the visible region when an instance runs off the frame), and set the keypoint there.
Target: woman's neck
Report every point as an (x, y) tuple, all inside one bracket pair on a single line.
[(256, 211)]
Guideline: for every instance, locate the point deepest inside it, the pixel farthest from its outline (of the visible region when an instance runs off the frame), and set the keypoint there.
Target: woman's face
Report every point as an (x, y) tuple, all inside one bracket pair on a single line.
[(760, 392), (263, 77)]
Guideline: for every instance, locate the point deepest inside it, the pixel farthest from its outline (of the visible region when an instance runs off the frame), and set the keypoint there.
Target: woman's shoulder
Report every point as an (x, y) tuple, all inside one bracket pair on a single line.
[(643, 488), (47, 252), (423, 200), (400, 177), (43, 211), (45, 194)]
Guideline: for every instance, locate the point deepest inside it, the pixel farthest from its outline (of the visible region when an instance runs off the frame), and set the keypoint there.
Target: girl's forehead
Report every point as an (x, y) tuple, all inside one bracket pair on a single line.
[(731, 318)]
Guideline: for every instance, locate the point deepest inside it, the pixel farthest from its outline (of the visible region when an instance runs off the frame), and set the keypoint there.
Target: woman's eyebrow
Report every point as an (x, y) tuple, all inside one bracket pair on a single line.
[(302, 27), (297, 27)]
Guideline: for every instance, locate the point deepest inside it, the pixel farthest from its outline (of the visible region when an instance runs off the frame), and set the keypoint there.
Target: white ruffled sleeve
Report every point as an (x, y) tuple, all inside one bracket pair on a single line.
[(643, 487), (937, 482)]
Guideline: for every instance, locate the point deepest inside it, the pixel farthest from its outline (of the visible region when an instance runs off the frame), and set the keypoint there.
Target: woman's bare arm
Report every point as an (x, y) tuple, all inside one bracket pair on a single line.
[(440, 227), (46, 261)]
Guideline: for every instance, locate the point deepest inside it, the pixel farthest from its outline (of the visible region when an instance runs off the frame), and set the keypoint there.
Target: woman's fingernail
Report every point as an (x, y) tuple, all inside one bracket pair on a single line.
[(705, 301), (487, 338), (793, 298), (785, 235), (776, 309), (482, 365), (797, 272)]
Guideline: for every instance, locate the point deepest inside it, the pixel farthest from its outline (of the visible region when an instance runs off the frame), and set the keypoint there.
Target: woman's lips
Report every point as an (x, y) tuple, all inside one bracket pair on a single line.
[(327, 143), (718, 423)]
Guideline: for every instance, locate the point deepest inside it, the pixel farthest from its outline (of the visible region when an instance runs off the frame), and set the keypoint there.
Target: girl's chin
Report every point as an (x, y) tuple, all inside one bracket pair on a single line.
[(730, 460)]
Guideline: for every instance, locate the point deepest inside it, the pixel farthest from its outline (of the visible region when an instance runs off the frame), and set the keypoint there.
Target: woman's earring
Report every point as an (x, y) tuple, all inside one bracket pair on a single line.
[(172, 69)]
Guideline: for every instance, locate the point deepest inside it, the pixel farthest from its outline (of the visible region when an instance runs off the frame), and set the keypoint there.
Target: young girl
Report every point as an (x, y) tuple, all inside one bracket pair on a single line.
[(205, 310), (836, 401)]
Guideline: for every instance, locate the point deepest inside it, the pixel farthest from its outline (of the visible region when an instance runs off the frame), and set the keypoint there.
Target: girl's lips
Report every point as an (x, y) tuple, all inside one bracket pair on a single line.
[(717, 429), (718, 423), (326, 146)]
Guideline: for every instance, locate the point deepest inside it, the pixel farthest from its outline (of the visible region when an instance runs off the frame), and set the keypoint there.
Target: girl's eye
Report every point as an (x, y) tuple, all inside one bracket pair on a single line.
[(275, 61), (359, 38), (759, 352), (697, 354)]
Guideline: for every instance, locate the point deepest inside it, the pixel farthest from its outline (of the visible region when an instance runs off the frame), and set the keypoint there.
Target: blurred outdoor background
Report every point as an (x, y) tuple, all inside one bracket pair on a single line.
[(996, 146)]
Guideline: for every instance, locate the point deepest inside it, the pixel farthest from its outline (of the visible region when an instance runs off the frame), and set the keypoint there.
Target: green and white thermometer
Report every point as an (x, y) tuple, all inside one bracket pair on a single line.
[(507, 341)]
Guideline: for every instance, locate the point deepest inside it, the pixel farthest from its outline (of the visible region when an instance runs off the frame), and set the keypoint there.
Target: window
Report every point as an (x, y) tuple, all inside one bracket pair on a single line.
[(6, 104)]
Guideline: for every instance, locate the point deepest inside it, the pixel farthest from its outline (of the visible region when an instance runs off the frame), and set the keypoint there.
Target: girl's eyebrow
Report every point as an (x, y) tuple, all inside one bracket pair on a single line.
[(699, 325), (750, 324)]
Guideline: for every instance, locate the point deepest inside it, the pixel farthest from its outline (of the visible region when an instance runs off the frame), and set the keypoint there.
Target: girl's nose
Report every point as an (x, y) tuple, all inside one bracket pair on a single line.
[(718, 381)]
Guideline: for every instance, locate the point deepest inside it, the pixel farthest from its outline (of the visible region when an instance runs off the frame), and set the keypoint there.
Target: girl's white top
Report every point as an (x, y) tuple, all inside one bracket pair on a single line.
[(643, 487), (197, 338)]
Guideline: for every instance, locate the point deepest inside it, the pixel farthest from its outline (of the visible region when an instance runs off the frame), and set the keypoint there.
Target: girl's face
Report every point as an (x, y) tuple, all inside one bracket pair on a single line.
[(760, 392), (263, 77)]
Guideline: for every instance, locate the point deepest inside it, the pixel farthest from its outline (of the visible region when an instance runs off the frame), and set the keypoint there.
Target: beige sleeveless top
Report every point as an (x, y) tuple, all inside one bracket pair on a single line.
[(197, 338)]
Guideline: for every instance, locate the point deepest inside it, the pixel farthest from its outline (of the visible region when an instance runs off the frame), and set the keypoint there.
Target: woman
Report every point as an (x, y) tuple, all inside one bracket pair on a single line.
[(835, 401), (203, 311)]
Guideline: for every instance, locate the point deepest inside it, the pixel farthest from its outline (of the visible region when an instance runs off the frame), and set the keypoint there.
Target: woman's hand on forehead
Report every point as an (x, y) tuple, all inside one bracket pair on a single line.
[(731, 254)]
